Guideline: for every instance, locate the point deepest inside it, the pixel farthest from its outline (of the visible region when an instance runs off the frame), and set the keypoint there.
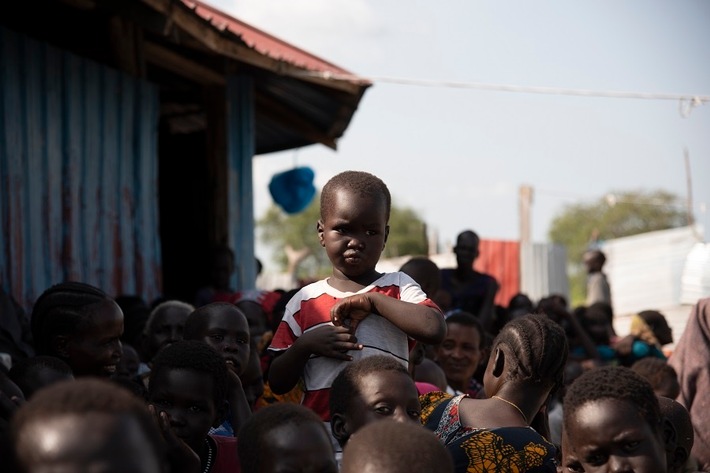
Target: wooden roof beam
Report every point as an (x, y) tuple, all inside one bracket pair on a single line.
[(180, 65), (181, 16)]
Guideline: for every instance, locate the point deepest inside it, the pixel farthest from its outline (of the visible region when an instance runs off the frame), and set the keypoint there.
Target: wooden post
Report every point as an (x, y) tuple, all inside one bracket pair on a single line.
[(524, 205)]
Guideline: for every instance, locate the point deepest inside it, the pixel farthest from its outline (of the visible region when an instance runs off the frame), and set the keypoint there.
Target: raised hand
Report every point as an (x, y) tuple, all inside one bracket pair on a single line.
[(182, 458), (350, 311)]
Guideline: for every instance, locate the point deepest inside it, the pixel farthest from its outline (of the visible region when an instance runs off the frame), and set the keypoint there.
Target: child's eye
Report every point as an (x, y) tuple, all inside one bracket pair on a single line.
[(196, 409), (383, 410), (631, 446), (370, 232), (217, 338), (575, 466), (242, 341), (596, 459), (414, 414), (160, 403)]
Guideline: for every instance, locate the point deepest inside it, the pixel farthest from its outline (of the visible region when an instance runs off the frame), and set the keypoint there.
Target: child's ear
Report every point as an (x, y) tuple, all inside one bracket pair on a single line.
[(320, 230), (339, 427), (222, 415), (670, 439), (60, 345), (498, 363), (387, 233)]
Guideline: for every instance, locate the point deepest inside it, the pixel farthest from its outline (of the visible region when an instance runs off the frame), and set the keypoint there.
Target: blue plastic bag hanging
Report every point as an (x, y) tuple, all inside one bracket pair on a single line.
[(293, 190)]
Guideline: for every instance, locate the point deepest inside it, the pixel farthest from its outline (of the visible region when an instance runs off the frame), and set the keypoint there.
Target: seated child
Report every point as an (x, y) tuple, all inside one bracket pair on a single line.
[(648, 333), (660, 374), (357, 311), (81, 325), (425, 272), (428, 374), (368, 390), (612, 418), (33, 374), (285, 437), (86, 425), (679, 458), (188, 393), (224, 327), (393, 447)]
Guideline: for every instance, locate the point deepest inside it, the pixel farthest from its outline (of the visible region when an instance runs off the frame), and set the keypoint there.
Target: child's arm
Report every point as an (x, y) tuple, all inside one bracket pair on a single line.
[(421, 322), (239, 410), (326, 340)]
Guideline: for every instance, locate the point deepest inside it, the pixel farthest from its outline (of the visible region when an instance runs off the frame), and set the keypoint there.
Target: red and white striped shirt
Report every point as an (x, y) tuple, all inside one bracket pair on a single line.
[(310, 308)]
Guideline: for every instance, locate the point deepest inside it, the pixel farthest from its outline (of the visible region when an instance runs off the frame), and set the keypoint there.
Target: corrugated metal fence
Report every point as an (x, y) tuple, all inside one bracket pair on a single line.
[(78, 174)]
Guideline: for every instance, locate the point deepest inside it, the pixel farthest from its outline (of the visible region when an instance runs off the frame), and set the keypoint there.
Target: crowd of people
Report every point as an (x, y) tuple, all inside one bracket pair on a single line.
[(411, 371)]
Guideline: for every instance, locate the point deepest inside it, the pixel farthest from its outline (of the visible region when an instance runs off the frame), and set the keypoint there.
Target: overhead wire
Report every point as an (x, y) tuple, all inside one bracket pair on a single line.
[(687, 102)]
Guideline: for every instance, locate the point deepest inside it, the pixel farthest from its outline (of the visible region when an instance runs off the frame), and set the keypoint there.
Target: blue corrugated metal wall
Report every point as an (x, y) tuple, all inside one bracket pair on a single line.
[(78, 174), (240, 150)]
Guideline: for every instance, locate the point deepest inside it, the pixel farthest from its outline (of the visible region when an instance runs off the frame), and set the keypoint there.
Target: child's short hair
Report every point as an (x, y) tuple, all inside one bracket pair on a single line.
[(195, 323), (364, 183), (612, 382), (197, 356), (538, 349), (85, 396), (24, 372), (253, 432), (60, 310), (390, 447), (659, 374), (425, 272), (346, 385)]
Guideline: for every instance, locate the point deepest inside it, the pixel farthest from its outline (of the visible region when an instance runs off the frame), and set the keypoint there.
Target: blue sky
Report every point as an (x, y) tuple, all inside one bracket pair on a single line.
[(458, 156)]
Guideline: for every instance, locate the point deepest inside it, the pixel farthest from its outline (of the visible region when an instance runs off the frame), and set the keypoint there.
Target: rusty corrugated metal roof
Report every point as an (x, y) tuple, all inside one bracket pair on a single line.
[(264, 43)]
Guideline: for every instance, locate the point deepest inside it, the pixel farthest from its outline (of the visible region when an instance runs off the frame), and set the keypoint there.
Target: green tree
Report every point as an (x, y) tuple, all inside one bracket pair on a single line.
[(280, 230), (616, 215)]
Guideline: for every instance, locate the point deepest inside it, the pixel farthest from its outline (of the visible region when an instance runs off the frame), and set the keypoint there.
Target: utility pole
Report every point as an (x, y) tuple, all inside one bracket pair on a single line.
[(525, 197), (689, 198)]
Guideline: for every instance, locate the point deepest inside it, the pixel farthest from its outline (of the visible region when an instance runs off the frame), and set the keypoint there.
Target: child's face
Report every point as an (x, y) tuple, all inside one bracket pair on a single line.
[(130, 362), (459, 354), (226, 330), (187, 397), (166, 328), (304, 448), (611, 435), (382, 395), (597, 326), (87, 442), (353, 233), (96, 350)]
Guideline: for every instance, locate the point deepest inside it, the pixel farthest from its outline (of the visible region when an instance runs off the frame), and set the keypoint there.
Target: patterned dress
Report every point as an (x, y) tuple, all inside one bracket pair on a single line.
[(480, 450)]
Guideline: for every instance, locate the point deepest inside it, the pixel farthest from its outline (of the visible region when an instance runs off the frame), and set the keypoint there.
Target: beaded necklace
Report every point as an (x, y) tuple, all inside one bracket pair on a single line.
[(208, 465)]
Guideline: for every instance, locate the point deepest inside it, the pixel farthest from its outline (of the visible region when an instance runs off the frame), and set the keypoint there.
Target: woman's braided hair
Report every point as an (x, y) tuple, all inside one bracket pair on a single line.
[(536, 349)]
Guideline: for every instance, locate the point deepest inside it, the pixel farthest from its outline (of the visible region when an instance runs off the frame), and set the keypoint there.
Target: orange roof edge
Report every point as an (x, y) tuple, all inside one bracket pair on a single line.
[(266, 44)]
